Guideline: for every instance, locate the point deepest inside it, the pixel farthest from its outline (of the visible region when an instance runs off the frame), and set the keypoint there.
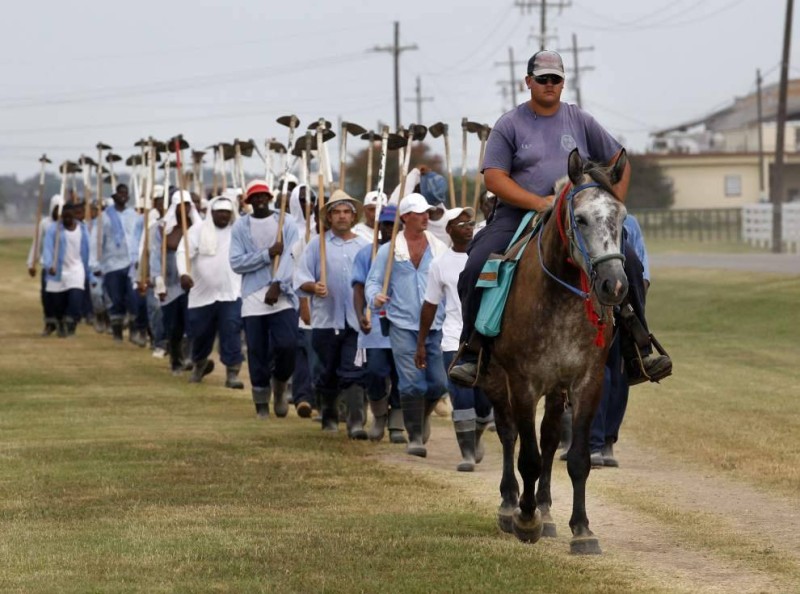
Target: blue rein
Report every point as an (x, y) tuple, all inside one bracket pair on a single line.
[(576, 240)]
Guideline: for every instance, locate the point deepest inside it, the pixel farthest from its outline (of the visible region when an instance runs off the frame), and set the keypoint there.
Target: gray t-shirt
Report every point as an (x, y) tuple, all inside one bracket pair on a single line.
[(534, 148)]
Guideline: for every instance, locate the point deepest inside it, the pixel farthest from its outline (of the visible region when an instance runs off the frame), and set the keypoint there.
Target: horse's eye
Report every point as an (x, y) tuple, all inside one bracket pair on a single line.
[(581, 220)]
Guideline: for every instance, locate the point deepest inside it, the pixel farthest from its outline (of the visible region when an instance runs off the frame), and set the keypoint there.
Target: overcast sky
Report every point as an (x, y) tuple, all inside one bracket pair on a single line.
[(75, 73)]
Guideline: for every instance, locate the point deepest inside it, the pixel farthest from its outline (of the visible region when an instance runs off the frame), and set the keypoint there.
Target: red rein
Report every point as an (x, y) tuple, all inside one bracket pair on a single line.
[(591, 314)]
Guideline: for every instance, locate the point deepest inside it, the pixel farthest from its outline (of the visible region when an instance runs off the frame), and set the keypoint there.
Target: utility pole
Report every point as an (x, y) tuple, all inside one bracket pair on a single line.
[(512, 81), (577, 69), (419, 99), (760, 136), (543, 5), (396, 49), (776, 191)]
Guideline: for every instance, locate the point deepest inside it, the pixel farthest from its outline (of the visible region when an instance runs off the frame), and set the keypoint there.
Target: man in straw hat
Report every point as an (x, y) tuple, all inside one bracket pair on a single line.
[(215, 305), (269, 303), (415, 249), (335, 325)]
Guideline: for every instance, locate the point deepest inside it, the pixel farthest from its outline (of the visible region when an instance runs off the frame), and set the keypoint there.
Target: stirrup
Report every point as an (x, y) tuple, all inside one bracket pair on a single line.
[(639, 363), (457, 356)]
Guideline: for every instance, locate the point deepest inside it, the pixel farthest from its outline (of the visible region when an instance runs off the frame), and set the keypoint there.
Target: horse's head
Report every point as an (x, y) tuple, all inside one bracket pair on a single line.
[(593, 220)]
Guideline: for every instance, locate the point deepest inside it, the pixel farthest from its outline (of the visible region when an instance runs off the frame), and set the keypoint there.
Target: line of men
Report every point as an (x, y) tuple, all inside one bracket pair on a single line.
[(334, 331)]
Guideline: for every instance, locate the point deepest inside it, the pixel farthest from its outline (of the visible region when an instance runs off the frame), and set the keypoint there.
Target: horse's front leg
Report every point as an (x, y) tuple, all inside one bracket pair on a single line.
[(551, 428), (507, 432), (585, 401), (527, 518)]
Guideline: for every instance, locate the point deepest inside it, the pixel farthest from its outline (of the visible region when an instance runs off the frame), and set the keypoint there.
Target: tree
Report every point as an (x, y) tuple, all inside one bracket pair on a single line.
[(357, 168), (649, 187)]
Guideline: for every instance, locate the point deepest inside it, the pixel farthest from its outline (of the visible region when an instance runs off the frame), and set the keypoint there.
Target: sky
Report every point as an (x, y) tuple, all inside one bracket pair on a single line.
[(80, 72)]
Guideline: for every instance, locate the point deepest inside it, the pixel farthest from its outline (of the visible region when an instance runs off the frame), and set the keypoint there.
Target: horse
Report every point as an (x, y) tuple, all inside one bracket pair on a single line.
[(553, 342)]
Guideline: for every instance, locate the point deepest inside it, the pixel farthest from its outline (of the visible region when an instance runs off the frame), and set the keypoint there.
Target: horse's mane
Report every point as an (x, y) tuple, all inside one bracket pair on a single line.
[(596, 171)]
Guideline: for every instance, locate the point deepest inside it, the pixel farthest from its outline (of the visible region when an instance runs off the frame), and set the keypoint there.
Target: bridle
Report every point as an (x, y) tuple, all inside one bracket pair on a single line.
[(574, 243)]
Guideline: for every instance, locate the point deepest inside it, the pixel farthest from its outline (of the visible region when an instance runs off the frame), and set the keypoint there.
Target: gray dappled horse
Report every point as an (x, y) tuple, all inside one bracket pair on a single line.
[(554, 341)]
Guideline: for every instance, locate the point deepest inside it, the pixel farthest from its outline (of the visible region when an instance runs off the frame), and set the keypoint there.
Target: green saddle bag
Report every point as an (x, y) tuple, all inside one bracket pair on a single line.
[(496, 278)]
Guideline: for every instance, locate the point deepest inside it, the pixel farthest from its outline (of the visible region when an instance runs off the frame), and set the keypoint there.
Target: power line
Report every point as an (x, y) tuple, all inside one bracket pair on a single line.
[(543, 6), (576, 68), (419, 99), (396, 49)]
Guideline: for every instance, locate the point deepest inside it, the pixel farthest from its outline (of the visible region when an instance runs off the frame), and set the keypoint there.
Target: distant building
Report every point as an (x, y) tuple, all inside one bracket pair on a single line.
[(713, 162)]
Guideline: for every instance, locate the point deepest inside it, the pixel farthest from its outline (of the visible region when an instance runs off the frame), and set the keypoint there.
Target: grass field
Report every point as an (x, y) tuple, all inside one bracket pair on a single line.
[(117, 477)]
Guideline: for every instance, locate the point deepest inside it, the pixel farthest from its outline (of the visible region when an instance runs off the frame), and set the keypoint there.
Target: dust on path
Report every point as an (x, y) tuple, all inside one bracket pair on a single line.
[(628, 537)]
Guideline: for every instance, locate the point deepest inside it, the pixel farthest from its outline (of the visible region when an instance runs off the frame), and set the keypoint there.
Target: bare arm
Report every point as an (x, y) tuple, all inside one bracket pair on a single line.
[(500, 183), (426, 317)]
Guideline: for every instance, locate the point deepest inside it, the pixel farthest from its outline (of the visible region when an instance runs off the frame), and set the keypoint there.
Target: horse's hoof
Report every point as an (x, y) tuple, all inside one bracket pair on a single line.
[(504, 518), (584, 545), (548, 525), (527, 529)]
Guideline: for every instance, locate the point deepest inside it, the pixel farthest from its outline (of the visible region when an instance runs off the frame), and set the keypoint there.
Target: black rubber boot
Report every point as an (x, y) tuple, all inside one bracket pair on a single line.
[(261, 400), (353, 397), (465, 436), (330, 413), (232, 377), (116, 330), (396, 426), (430, 405), (50, 326), (642, 363), (279, 402), (480, 429), (414, 417), (201, 369), (380, 412)]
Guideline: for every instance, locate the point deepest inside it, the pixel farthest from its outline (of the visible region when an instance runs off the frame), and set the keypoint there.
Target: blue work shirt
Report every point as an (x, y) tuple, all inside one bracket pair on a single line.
[(407, 286), (116, 251), (375, 339), (337, 308), (255, 265), (636, 239)]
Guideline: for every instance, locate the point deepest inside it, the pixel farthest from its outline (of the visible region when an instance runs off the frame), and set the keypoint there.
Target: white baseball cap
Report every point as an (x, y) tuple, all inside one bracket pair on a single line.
[(414, 203), (372, 198), (454, 213)]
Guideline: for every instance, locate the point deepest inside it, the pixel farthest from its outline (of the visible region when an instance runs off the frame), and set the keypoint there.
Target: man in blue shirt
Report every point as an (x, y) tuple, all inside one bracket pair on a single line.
[(334, 336), (114, 262), (380, 365), (414, 250)]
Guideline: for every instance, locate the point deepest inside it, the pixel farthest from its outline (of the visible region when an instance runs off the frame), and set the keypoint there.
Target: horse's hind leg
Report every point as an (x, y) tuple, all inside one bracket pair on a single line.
[(527, 518), (507, 432), (584, 407), (551, 427)]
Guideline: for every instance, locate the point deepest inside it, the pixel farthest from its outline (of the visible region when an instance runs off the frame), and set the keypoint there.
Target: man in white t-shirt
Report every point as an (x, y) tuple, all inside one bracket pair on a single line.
[(366, 229), (65, 260), (269, 303), (472, 411), (215, 304)]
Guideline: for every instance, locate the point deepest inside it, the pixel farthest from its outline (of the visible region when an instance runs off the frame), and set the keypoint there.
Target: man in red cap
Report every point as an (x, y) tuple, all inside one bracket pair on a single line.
[(269, 303)]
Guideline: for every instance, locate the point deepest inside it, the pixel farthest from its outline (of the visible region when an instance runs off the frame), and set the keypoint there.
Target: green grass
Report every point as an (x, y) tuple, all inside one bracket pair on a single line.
[(117, 477), (734, 400)]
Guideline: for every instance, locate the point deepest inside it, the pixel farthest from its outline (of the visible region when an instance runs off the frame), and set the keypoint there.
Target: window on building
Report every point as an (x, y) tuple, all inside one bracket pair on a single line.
[(733, 186)]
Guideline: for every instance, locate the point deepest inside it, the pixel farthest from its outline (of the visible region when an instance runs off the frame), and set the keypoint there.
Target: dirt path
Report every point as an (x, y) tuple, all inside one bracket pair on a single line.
[(630, 538)]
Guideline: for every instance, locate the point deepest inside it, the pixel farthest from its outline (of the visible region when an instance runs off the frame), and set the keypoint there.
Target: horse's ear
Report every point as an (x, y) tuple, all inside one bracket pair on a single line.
[(618, 169), (575, 167)]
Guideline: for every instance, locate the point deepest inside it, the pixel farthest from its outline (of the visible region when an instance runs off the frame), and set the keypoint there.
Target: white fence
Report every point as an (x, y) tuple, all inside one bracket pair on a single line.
[(757, 225)]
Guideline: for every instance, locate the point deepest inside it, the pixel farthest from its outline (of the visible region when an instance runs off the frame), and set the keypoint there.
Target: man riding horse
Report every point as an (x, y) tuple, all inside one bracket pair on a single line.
[(526, 153)]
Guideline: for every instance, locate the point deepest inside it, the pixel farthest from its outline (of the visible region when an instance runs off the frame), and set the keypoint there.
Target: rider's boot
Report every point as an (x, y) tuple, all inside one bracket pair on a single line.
[(641, 361), (468, 368)]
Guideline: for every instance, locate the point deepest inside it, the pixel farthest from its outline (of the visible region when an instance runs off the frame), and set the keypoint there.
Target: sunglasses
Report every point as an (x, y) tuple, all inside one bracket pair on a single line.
[(463, 224), (548, 78)]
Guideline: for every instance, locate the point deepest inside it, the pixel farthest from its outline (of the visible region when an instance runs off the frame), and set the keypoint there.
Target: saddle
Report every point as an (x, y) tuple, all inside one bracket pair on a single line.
[(497, 275)]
